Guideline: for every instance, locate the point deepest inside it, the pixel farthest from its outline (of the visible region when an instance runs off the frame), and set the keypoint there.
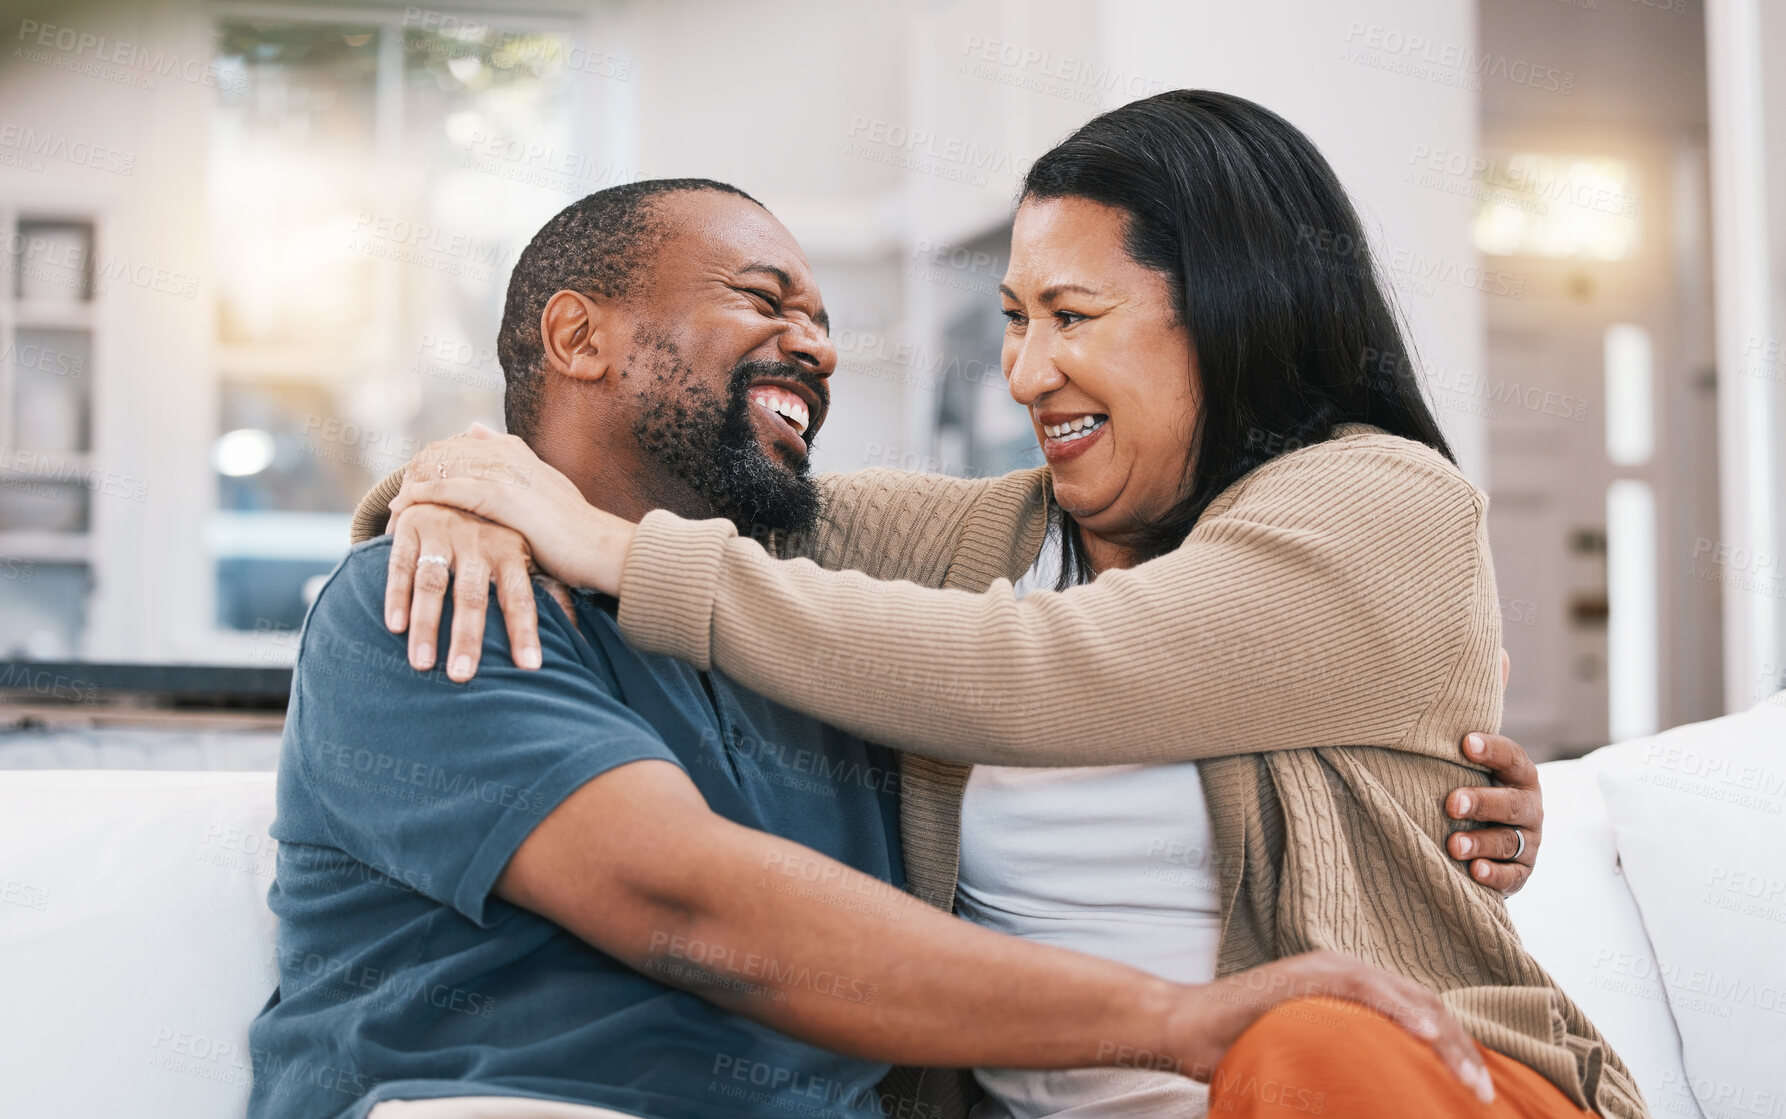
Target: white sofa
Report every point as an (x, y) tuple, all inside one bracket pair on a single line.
[(136, 944)]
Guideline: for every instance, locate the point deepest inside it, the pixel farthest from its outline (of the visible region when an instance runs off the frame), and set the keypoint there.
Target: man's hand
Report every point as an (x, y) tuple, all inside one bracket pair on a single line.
[(1497, 856)]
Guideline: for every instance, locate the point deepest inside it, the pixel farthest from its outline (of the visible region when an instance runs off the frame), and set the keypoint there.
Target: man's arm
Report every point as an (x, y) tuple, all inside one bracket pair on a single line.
[(637, 865), (1496, 856)]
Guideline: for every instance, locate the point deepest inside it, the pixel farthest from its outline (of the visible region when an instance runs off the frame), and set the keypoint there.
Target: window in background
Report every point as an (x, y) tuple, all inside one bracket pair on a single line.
[(1633, 635), (47, 467), (1630, 395), (980, 430), (371, 184), (1577, 207)]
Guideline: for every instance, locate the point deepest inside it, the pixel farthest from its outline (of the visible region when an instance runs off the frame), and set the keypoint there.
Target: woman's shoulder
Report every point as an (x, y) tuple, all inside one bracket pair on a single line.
[(1363, 447), (1359, 469)]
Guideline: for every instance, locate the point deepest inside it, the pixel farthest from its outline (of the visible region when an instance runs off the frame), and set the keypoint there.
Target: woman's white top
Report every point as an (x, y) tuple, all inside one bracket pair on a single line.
[(1115, 861)]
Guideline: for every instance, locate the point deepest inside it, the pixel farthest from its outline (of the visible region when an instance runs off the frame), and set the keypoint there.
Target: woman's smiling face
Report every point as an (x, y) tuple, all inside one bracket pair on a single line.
[(1095, 350)]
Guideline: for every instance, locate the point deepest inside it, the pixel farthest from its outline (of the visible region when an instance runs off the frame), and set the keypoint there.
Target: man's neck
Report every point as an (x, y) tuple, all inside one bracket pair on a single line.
[(612, 474)]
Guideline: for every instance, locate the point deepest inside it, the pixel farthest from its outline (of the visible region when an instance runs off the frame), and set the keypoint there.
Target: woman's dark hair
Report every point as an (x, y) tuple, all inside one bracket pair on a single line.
[(1291, 327)]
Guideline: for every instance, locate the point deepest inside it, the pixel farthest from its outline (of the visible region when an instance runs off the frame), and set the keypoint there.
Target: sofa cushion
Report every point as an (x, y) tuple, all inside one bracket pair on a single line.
[(139, 899), (1578, 919), (1697, 814), (133, 917)]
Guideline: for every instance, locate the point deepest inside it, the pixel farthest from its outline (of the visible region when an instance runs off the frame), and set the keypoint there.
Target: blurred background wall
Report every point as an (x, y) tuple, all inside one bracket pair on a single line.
[(256, 254)]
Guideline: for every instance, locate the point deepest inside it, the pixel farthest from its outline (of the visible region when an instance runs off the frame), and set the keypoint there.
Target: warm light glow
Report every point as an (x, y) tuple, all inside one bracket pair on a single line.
[(465, 69), (242, 452), (1566, 207)]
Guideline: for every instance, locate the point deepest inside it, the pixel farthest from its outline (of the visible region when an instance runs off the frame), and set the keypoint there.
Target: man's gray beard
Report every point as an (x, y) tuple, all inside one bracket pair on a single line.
[(711, 444)]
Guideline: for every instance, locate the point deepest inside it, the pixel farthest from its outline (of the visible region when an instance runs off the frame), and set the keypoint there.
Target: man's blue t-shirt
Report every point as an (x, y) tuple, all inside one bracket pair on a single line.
[(402, 797)]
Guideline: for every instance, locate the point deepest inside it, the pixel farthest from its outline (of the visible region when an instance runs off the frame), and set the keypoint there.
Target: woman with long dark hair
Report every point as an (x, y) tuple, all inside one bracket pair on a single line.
[(1251, 591)]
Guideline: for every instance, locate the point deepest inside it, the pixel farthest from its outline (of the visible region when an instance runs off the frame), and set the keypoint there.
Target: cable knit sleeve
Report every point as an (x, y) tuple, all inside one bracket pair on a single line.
[(1342, 594), (374, 510), (893, 524)]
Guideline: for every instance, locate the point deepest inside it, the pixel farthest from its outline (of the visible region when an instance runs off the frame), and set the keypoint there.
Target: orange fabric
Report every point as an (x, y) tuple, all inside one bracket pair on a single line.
[(1342, 1060)]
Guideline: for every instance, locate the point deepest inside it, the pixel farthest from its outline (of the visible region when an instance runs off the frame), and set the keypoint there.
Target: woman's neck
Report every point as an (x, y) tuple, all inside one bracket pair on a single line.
[(1103, 554)]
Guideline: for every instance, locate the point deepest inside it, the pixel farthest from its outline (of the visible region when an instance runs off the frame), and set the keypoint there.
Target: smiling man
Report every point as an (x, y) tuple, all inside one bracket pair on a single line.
[(602, 881), (688, 442)]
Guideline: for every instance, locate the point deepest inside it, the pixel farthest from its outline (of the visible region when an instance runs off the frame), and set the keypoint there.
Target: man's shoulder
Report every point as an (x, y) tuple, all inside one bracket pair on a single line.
[(346, 625), (353, 595), (345, 622), (350, 602), (345, 645), (367, 563)]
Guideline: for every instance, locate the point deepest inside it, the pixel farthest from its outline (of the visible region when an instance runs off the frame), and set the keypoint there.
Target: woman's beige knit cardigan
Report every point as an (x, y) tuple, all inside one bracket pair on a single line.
[(1320, 644)]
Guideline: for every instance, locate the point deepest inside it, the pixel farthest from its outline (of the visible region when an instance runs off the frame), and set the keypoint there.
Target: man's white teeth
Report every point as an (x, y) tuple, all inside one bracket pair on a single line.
[(783, 403), (795, 411), (1077, 428)]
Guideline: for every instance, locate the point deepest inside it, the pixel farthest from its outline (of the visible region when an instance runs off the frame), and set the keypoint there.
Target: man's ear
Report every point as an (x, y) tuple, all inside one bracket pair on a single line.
[(575, 331)]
